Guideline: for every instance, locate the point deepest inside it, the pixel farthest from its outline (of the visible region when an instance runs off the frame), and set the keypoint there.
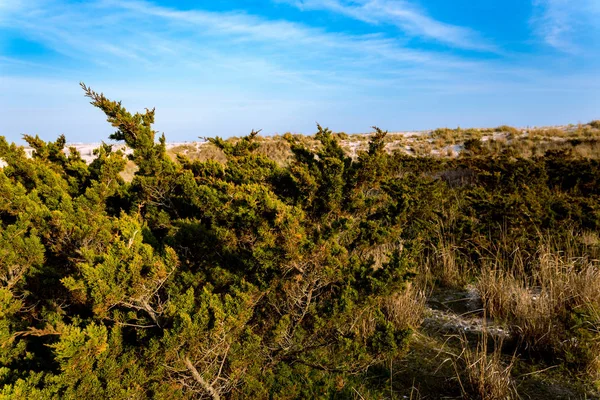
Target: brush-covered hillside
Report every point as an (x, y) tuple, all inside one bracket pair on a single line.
[(445, 264), (582, 140)]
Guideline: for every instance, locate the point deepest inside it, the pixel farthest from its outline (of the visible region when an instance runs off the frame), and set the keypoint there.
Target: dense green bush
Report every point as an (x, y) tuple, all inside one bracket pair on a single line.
[(244, 278), (196, 279)]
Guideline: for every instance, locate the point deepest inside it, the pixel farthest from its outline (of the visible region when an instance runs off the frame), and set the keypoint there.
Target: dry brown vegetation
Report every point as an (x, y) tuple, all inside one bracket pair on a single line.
[(553, 309), (406, 309), (482, 372), (582, 140)]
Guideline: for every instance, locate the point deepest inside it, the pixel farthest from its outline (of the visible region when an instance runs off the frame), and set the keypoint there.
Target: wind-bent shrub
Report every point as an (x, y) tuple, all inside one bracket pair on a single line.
[(196, 279)]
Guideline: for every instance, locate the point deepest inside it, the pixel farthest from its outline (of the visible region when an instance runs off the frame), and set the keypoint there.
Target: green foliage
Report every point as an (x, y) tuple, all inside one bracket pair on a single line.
[(196, 279), (249, 278)]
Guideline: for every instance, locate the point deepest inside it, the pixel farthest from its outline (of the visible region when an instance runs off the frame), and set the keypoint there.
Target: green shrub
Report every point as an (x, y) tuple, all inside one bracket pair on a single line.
[(196, 277)]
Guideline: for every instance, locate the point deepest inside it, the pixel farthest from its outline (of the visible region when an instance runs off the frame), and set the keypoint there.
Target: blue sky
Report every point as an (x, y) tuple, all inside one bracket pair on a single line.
[(226, 67)]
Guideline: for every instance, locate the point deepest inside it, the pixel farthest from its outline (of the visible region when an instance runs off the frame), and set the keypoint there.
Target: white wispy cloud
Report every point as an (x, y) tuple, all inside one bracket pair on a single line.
[(141, 34), (241, 28), (228, 72), (407, 16), (566, 25), (268, 66)]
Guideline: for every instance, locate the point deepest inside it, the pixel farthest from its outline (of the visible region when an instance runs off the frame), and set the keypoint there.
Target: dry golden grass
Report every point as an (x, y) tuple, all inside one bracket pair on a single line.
[(405, 309), (129, 171), (508, 129), (423, 149), (590, 238), (198, 152), (527, 147), (587, 149), (583, 140), (547, 133), (554, 308), (444, 265), (276, 149), (481, 372)]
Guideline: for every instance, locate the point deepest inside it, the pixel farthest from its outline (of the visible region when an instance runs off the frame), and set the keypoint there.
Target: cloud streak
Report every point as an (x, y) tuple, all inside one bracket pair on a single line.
[(99, 30), (114, 35), (404, 15), (200, 65), (566, 25)]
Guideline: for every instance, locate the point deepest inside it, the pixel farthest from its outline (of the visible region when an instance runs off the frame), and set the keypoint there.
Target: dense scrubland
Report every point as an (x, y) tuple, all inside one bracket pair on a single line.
[(457, 264), (581, 140)]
